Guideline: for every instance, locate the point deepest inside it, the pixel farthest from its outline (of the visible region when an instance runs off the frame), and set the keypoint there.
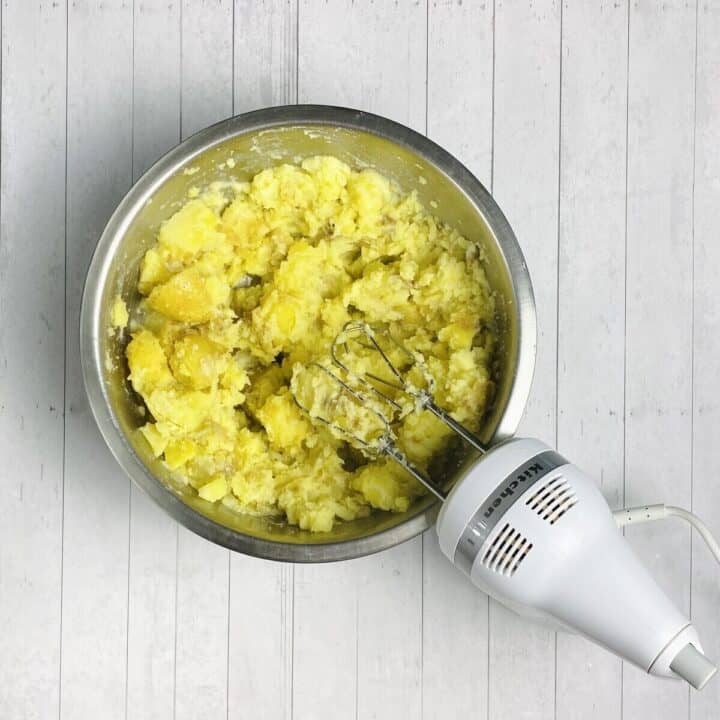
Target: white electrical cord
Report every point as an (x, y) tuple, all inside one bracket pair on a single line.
[(648, 513)]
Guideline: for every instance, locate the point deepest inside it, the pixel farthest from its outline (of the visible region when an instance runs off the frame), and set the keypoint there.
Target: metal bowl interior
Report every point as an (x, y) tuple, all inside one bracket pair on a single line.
[(255, 141)]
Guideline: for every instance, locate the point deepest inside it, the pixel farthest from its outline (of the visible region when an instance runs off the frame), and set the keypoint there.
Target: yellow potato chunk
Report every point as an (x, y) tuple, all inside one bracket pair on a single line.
[(157, 441), (190, 230), (283, 421), (196, 361), (281, 321), (214, 490), (185, 409), (379, 296), (178, 452), (234, 380), (188, 297), (119, 314), (153, 270), (263, 384), (422, 435), (459, 335), (386, 486), (370, 193), (148, 363)]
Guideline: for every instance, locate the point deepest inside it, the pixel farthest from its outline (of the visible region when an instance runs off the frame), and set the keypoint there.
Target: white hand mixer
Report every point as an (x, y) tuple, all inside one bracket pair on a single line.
[(528, 527)]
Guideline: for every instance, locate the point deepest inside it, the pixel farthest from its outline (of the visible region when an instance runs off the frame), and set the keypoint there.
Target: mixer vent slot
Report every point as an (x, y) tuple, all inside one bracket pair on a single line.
[(553, 499), (505, 553)]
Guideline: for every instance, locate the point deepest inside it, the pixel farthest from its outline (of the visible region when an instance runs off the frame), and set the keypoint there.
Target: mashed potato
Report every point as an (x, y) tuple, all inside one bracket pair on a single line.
[(240, 294)]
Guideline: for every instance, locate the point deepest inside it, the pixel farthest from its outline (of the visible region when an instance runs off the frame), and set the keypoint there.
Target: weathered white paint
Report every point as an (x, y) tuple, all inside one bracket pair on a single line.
[(32, 368), (158, 623), (705, 589), (96, 497), (265, 53), (591, 297), (658, 426)]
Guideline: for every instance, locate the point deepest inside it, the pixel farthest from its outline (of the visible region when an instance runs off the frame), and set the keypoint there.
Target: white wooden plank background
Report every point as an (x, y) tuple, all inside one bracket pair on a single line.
[(595, 123), (591, 318), (93, 662)]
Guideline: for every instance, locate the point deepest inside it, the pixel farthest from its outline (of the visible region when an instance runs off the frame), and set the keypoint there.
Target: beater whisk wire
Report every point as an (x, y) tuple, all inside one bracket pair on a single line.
[(384, 444), (423, 397)]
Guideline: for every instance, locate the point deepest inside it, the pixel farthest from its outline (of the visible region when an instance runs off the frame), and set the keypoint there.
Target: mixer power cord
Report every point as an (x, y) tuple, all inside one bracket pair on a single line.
[(649, 513)]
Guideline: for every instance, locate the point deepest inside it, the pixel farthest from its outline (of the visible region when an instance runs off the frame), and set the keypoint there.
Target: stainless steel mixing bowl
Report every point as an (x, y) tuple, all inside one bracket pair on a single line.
[(255, 141)]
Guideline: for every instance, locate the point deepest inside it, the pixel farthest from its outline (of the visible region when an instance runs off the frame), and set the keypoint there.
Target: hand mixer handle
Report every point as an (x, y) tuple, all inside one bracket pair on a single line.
[(533, 530)]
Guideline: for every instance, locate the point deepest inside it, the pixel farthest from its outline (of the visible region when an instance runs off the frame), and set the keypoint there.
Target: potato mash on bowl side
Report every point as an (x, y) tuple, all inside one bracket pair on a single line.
[(246, 288)]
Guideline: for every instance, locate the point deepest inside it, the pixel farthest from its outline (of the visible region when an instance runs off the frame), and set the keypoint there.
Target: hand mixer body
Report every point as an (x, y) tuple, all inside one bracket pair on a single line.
[(533, 531)]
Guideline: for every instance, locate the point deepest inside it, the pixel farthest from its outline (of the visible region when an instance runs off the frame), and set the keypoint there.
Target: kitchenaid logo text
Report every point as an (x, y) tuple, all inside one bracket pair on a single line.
[(530, 472), (488, 515)]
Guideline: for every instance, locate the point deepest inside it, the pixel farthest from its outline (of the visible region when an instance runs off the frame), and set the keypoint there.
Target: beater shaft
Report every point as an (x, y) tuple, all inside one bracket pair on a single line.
[(423, 478), (455, 426)]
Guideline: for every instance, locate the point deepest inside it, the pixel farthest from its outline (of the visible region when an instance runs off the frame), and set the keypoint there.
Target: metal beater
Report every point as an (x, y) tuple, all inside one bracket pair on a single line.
[(362, 386)]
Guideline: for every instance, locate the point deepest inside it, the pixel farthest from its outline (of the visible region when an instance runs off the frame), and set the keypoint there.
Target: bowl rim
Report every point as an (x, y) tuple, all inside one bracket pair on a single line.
[(164, 168)]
